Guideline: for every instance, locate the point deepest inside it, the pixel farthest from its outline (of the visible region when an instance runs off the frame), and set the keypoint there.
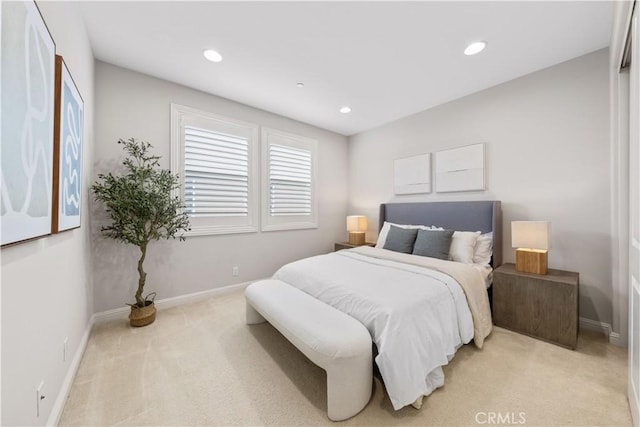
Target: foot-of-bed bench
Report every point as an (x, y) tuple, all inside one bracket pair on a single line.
[(330, 338)]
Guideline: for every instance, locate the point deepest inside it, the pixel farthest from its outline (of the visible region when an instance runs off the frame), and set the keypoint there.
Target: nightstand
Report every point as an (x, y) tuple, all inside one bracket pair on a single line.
[(544, 307), (347, 245)]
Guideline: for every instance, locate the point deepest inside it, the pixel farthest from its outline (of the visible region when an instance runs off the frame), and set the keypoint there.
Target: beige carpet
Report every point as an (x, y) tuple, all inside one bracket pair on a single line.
[(199, 364)]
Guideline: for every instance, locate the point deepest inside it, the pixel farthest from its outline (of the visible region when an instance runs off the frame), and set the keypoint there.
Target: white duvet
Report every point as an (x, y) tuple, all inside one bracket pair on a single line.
[(417, 317)]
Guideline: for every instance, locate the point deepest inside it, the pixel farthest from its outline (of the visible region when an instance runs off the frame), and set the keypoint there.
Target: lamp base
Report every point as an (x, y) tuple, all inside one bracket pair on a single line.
[(357, 238), (531, 261)]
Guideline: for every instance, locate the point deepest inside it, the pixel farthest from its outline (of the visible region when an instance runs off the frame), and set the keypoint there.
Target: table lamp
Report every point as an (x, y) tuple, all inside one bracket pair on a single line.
[(532, 240), (357, 226)]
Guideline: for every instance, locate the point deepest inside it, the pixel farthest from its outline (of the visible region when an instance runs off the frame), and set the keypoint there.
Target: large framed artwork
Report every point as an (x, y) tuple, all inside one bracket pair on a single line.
[(412, 175), (67, 151), (460, 169), (26, 119)]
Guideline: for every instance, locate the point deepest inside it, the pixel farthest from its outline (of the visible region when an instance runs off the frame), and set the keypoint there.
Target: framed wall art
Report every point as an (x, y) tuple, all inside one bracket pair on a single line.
[(412, 175), (67, 152), (27, 97), (460, 169)]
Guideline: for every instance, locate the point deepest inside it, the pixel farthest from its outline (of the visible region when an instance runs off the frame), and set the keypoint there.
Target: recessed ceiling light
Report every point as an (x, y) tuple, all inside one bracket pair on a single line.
[(212, 55), (345, 110), (475, 47), (299, 84)]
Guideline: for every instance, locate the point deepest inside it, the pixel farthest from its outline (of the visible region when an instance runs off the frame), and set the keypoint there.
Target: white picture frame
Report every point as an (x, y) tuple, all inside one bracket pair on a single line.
[(460, 169), (412, 175)]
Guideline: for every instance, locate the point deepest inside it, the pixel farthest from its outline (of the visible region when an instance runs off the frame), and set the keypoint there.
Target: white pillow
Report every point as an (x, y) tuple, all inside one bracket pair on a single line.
[(484, 249), (463, 245), (382, 237)]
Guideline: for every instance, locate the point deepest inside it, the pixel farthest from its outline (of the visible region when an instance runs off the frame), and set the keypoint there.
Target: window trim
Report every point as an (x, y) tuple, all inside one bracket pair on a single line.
[(178, 115), (296, 222)]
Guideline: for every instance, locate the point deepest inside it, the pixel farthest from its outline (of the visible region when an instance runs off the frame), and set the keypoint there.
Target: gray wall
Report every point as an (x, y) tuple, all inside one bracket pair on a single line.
[(547, 158), (46, 283), (135, 105)]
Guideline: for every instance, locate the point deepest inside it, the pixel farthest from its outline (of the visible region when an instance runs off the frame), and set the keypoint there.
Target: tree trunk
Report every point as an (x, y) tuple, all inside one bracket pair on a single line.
[(142, 276)]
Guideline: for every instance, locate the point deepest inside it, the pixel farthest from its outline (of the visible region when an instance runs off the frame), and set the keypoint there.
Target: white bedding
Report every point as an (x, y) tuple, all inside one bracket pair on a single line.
[(487, 273), (417, 317)]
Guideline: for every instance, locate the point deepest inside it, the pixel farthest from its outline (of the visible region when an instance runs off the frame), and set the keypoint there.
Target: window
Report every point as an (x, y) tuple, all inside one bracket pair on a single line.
[(216, 160), (288, 181)]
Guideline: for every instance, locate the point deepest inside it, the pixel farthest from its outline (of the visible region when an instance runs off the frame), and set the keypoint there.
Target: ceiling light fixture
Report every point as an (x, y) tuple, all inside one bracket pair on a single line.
[(212, 55), (475, 47), (345, 110), (299, 84)]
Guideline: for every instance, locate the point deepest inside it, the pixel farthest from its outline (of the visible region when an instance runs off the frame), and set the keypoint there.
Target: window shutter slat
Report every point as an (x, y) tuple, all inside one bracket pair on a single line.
[(212, 149), (216, 180), (204, 156), (289, 181)]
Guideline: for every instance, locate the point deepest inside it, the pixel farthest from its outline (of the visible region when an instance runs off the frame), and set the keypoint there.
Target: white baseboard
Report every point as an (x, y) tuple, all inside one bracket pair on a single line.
[(616, 339), (603, 328), (594, 325), (123, 312), (58, 405)]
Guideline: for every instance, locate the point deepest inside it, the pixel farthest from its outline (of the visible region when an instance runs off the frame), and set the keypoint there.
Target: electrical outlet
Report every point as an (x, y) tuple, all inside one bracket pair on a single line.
[(235, 271), (39, 397), (65, 348)]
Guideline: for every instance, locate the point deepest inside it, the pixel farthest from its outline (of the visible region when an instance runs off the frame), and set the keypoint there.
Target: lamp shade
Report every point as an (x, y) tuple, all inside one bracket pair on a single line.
[(531, 234), (357, 223)]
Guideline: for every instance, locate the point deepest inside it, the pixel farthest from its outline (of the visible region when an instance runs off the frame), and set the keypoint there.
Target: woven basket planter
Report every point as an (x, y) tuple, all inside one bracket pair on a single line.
[(143, 316)]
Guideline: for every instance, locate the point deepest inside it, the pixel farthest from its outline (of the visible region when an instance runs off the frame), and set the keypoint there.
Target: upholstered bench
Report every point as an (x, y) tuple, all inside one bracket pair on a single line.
[(330, 338)]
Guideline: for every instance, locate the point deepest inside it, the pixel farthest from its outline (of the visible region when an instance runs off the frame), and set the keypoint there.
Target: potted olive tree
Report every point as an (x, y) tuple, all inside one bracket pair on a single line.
[(142, 209)]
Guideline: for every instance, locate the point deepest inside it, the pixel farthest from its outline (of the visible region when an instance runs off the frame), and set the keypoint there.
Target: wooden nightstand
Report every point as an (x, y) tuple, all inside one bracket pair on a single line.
[(544, 307), (347, 245)]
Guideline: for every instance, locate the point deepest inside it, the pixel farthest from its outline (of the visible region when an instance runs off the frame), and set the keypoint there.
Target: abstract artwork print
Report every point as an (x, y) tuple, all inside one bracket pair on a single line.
[(27, 104), (68, 151)]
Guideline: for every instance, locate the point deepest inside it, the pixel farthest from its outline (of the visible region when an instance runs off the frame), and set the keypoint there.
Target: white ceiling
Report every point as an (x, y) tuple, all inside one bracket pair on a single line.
[(385, 60)]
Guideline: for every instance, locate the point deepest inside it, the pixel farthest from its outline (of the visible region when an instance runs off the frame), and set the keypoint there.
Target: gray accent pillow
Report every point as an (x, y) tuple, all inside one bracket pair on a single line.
[(433, 243), (400, 239)]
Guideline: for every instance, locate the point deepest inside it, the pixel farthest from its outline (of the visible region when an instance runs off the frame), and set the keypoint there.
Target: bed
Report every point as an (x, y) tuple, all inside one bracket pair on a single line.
[(483, 216), (418, 310)]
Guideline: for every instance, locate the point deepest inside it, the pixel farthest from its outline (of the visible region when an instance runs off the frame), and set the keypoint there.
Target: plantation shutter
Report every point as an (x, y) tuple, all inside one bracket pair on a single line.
[(216, 168), (289, 181)]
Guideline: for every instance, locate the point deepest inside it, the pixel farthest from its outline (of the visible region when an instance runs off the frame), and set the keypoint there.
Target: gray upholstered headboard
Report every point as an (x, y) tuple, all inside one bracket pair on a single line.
[(484, 216)]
